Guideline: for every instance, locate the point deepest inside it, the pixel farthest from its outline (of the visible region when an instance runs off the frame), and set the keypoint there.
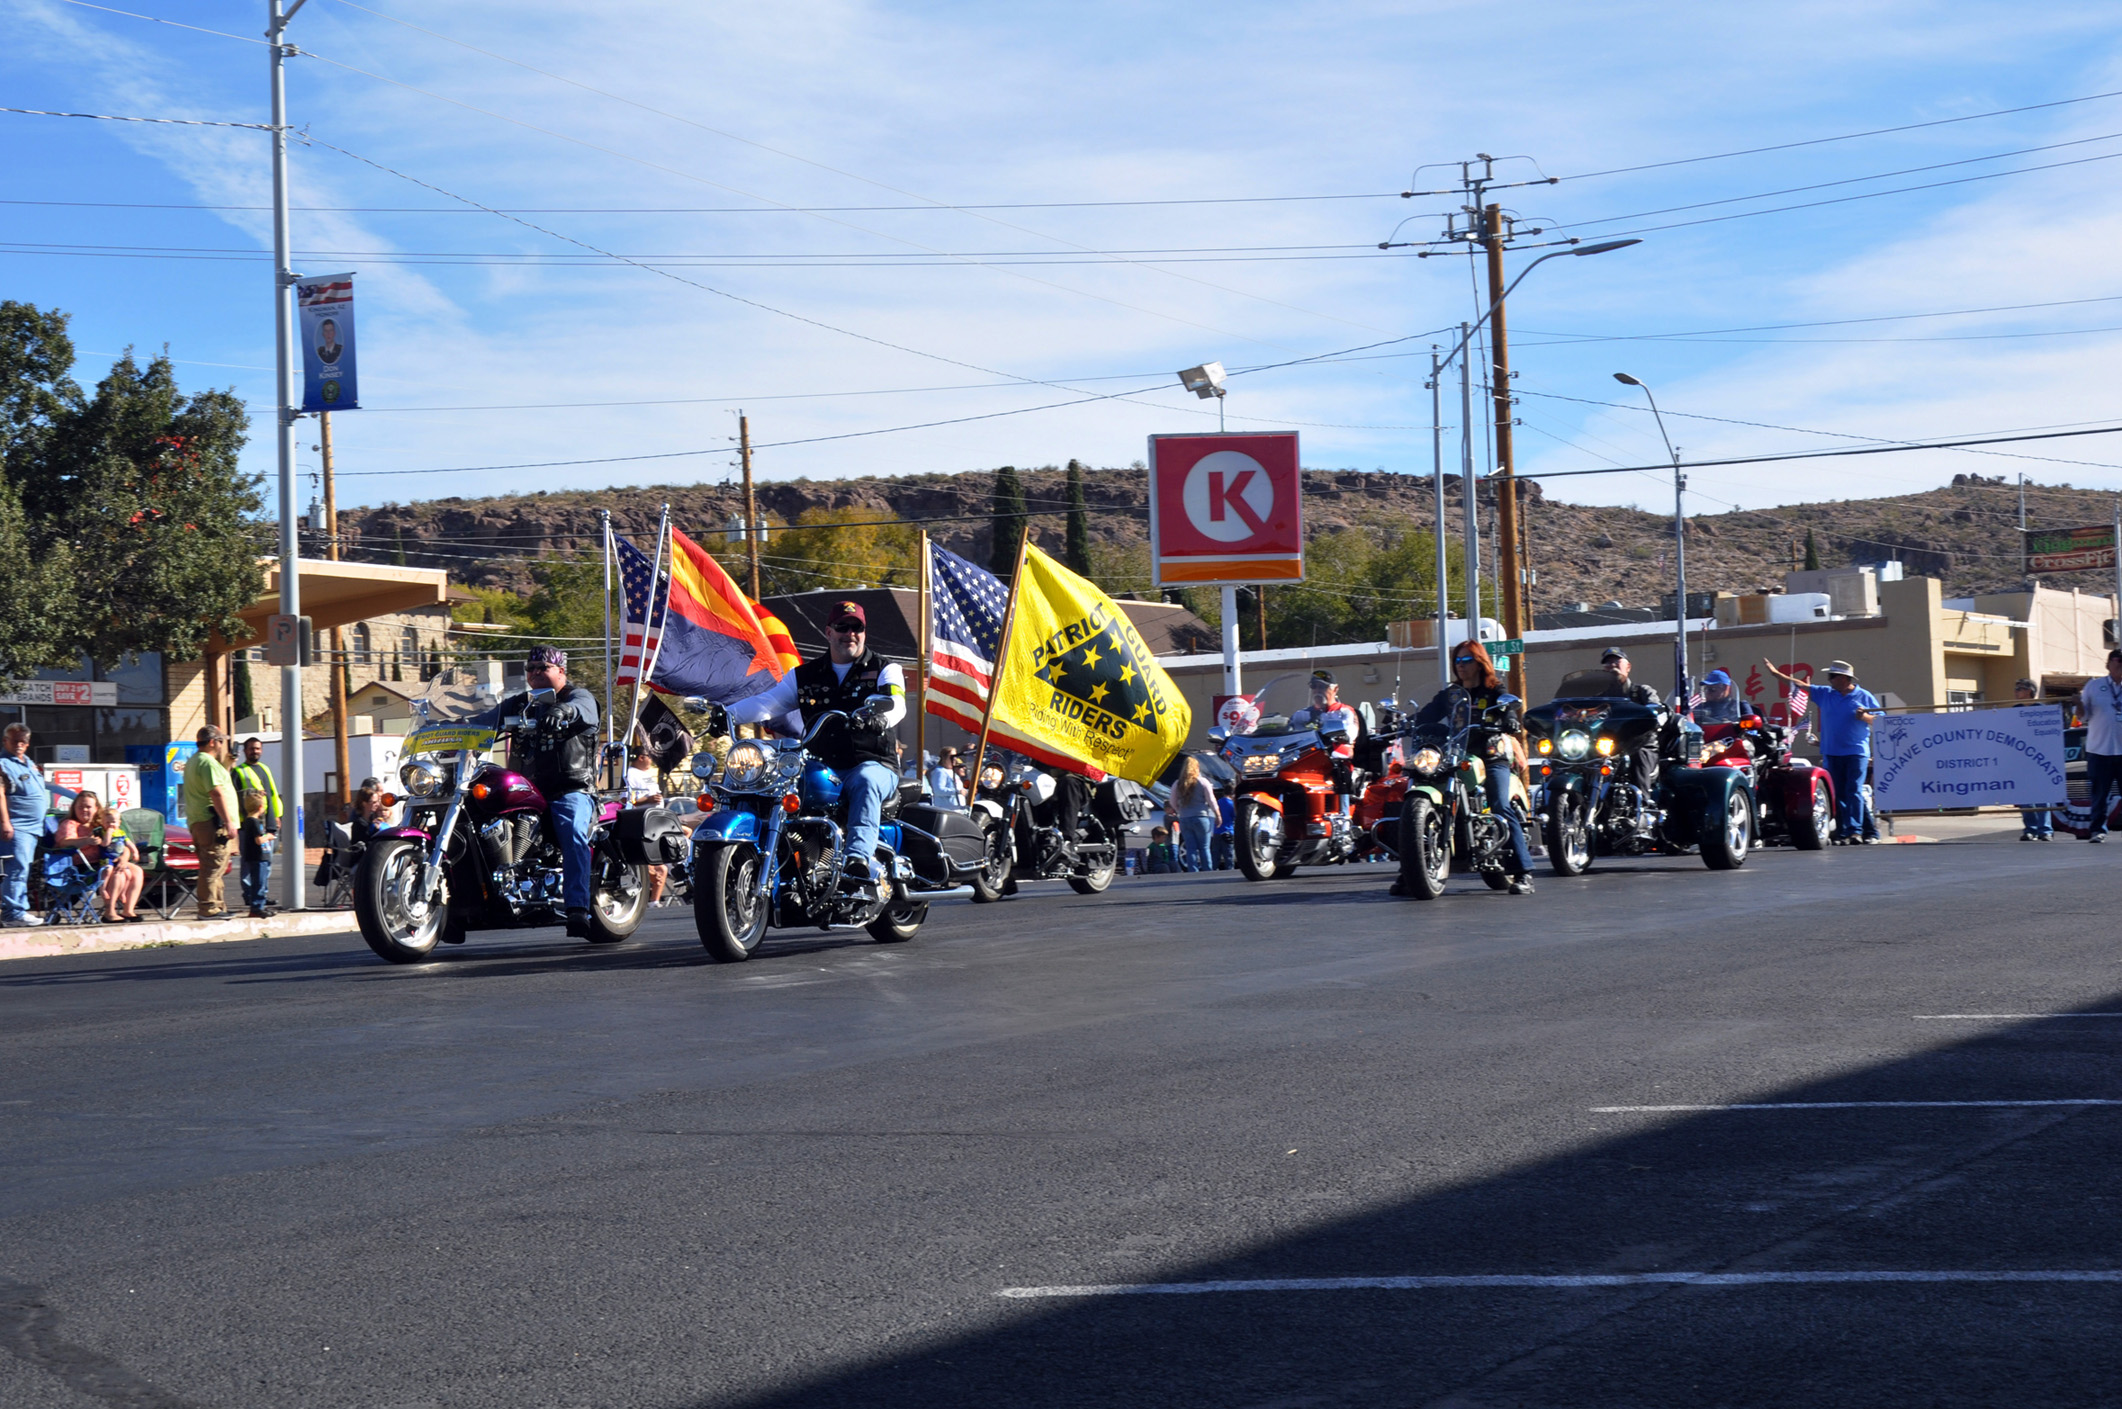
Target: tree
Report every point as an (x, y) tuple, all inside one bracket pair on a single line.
[(35, 390), (40, 591), (1011, 518), (246, 702), (825, 548), (1077, 552), (1812, 552)]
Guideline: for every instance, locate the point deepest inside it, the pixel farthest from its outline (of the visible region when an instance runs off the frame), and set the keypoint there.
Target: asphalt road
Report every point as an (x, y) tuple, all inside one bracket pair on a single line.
[(284, 1174)]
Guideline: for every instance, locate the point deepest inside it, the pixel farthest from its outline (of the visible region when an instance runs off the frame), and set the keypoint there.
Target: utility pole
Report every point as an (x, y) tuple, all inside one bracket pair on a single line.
[(342, 756), (1436, 450), (1471, 485), (1507, 563), (751, 502), (293, 871)]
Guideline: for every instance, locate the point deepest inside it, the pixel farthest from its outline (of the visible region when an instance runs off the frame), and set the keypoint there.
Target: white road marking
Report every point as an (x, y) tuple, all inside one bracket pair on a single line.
[(2004, 1017), (1586, 1280), (1859, 1105)]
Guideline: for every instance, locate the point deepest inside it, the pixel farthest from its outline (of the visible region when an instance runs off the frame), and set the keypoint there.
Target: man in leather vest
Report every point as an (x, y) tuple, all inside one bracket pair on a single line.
[(560, 756), (871, 692)]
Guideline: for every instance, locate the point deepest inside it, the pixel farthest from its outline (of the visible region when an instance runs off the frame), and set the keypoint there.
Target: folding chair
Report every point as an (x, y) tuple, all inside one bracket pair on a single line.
[(335, 874), (70, 883), (171, 877)]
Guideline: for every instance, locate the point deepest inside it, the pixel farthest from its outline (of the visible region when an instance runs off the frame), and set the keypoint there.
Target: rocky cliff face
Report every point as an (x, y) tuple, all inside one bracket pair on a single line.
[(1965, 534)]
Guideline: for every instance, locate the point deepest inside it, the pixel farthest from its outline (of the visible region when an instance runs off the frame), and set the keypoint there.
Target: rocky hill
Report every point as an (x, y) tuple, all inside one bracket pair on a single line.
[(1965, 533)]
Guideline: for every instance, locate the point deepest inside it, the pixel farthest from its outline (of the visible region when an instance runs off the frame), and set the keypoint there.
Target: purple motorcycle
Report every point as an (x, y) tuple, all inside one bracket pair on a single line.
[(476, 852)]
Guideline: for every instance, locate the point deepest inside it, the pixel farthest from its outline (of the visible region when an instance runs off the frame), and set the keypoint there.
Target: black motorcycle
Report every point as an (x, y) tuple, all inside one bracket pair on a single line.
[(1048, 827)]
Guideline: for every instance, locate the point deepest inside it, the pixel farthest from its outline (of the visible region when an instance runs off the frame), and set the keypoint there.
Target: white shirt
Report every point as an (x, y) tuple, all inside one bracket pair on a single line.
[(641, 784), (779, 703), (2102, 701)]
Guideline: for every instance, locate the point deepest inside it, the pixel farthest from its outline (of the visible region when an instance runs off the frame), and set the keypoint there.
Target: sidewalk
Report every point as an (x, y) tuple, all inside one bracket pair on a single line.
[(45, 941), (1998, 826)]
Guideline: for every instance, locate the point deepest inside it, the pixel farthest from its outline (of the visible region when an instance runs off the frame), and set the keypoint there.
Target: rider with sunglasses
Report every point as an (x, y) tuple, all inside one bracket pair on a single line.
[(1474, 681)]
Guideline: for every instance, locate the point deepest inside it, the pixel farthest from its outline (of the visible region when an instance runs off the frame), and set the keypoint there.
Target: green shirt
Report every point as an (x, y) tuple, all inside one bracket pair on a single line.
[(205, 775)]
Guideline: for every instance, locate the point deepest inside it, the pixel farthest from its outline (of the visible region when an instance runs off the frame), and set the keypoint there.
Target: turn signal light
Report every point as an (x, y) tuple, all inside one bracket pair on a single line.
[(388, 799), (1606, 770), (480, 792), (1605, 746), (1545, 746), (789, 804)]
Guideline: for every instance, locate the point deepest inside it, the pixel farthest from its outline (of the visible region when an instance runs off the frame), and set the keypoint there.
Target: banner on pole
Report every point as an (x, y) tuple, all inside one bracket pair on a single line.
[(324, 308), (1225, 510), (2052, 550), (1969, 758)]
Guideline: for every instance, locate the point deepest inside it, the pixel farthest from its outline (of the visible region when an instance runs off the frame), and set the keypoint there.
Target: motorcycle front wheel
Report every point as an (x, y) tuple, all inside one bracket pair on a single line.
[(1568, 836), (728, 911), (1426, 850), (1259, 839), (396, 920), (995, 864), (617, 903), (1728, 833)]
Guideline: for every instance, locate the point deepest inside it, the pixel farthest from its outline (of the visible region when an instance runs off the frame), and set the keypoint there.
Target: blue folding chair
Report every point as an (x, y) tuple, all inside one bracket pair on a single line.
[(70, 883)]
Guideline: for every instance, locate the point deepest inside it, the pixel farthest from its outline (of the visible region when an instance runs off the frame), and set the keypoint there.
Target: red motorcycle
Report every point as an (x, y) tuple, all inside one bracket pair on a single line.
[(1796, 798), (1290, 802)]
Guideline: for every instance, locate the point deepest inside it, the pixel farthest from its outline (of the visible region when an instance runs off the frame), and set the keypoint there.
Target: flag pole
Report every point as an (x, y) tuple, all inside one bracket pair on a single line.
[(994, 680), (648, 617), (922, 646), (605, 519)]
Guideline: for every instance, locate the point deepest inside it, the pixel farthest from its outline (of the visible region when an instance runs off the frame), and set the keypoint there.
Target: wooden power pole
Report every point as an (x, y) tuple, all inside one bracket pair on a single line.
[(751, 501), (342, 756), (1509, 567)]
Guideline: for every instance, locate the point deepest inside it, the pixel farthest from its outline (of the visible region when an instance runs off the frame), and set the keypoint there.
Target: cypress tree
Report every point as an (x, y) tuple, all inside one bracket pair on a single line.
[(1011, 518), (1812, 552), (398, 552), (1077, 551), (246, 703)]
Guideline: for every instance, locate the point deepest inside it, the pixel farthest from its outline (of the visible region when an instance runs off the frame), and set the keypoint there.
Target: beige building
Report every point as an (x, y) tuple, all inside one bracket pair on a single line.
[(1915, 651)]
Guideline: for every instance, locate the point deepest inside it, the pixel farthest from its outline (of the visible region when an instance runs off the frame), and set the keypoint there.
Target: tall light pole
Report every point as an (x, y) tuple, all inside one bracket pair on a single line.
[(1680, 681), (1436, 447), (284, 415), (1206, 382)]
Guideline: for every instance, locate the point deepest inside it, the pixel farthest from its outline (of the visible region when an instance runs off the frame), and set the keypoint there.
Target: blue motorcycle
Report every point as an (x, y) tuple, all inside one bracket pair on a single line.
[(770, 853)]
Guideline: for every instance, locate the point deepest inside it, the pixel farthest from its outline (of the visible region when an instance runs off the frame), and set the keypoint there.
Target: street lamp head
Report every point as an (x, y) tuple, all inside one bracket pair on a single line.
[(1604, 245), (1626, 379), (1203, 381)]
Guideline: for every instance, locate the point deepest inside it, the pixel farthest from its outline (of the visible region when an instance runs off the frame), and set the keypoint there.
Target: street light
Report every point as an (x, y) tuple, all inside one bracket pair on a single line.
[(1680, 681), (1206, 381)]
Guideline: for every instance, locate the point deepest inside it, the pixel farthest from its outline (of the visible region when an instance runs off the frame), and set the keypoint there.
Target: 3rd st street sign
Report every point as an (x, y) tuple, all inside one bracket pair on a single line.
[(1225, 509)]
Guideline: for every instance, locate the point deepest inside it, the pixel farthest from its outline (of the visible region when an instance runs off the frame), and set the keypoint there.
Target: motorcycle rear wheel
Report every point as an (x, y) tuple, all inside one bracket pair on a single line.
[(1569, 849), (1811, 831), (1259, 838), (900, 920), (396, 923), (1426, 855), (615, 910), (728, 912), (993, 875), (1094, 882)]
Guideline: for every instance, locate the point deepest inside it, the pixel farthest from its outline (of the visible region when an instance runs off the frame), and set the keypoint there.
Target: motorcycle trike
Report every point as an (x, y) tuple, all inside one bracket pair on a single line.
[(1796, 796)]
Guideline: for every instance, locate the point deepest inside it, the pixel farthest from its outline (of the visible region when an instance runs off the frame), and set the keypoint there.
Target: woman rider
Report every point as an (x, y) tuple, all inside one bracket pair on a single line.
[(1474, 680)]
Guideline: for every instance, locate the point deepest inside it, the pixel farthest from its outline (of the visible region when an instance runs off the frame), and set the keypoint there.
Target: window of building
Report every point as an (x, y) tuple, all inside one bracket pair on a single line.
[(361, 645)]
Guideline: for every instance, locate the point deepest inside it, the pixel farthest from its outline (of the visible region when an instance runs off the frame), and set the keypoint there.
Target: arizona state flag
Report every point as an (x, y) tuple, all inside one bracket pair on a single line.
[(714, 642), (1078, 680)]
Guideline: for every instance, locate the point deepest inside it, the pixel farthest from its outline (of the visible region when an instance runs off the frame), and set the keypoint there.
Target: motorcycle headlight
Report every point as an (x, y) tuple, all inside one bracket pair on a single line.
[(746, 765), (1605, 746), (991, 776), (1258, 763), (423, 778), (1426, 761), (1574, 743)]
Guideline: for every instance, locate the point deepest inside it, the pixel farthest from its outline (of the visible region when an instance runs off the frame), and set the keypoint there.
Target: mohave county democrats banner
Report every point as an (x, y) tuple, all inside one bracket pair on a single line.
[(1970, 758)]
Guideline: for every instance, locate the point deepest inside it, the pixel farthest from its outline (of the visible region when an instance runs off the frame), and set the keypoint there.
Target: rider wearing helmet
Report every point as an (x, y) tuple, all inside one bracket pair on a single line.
[(1474, 681), (1327, 712), (1720, 700)]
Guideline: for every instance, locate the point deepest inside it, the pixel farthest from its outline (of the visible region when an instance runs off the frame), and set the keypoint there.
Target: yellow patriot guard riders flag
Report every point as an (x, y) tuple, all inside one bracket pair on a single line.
[(1079, 681)]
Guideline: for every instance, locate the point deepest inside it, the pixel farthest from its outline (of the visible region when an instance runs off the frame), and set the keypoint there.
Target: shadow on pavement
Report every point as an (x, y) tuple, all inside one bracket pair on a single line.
[(1727, 1191)]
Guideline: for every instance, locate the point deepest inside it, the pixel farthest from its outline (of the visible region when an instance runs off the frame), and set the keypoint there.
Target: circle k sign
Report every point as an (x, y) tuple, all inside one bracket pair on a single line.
[(1225, 509)]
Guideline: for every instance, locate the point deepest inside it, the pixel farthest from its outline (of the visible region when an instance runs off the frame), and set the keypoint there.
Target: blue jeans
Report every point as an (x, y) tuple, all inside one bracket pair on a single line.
[(865, 789), (257, 870), (1194, 833), (571, 816), (1499, 799), (1853, 814), (2103, 771), (2038, 820), (14, 872)]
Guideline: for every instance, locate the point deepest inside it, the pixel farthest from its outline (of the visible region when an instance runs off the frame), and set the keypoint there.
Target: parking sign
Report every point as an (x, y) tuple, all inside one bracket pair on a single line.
[(1225, 509)]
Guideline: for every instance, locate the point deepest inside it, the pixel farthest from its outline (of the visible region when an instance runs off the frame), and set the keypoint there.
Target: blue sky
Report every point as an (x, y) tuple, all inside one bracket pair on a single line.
[(481, 338)]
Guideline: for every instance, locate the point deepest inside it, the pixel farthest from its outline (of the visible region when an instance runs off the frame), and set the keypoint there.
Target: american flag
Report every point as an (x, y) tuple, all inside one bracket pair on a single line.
[(638, 642), (966, 607), (1800, 699)]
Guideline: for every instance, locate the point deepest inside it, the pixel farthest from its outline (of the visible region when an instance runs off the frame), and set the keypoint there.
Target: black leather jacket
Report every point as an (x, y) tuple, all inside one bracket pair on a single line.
[(1437, 714), (560, 755)]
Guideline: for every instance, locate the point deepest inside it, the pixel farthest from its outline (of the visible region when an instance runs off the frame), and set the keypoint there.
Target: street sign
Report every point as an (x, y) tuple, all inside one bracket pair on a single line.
[(1225, 510), (286, 640), (2053, 550), (1515, 646)]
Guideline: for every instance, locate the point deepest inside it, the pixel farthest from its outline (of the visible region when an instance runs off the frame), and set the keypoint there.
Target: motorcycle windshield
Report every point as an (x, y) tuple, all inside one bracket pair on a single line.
[(1277, 700)]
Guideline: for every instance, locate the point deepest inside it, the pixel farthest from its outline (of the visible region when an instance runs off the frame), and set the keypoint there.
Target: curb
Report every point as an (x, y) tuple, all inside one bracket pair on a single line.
[(48, 941)]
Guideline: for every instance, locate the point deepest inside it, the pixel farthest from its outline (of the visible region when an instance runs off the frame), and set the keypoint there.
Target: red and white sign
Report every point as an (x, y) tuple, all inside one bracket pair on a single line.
[(1236, 714), (1225, 509), (63, 692)]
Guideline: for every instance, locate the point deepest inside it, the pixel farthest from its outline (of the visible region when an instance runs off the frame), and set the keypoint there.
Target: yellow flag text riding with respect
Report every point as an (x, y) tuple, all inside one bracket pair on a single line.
[(1078, 684)]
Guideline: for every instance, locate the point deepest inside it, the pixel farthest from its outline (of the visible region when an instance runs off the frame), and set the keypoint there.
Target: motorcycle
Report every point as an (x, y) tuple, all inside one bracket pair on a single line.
[(476, 851), (1288, 804), (770, 854), (1445, 814), (1796, 797), (1019, 809), (1385, 789), (1589, 805)]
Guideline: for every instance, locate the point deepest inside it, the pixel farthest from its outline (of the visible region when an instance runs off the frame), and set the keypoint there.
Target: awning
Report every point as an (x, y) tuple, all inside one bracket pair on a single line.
[(335, 594)]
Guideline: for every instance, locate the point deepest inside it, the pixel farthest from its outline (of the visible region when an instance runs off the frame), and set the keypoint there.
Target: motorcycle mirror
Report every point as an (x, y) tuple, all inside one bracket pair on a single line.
[(1335, 737), (539, 697), (1218, 735)]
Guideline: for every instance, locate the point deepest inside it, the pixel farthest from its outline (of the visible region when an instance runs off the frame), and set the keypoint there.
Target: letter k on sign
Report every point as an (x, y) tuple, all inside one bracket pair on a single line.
[(1224, 490)]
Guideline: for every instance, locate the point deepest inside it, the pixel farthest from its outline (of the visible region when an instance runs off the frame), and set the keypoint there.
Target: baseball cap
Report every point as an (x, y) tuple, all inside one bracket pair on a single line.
[(1322, 677), (846, 612), (1717, 677), (1612, 653)]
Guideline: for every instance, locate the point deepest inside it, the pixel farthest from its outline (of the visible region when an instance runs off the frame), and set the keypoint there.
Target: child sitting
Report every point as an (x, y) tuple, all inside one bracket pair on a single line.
[(1162, 858)]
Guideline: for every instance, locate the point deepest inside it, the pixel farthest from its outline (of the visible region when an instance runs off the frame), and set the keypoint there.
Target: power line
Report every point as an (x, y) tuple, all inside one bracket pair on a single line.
[(166, 121)]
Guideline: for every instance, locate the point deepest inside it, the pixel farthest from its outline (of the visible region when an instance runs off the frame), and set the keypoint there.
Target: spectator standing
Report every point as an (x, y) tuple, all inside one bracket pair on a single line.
[(2039, 822), (1162, 860), (22, 812), (211, 813), (946, 788), (1223, 846), (644, 788), (261, 825), (2101, 700), (1845, 714), (1192, 808), (93, 831)]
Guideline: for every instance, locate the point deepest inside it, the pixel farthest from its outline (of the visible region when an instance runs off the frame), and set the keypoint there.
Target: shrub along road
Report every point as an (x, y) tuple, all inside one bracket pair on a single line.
[(283, 1173)]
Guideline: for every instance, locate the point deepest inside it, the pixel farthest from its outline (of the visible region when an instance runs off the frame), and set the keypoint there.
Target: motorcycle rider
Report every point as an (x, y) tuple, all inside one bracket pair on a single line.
[(1474, 681), (560, 758), (871, 692), (1643, 762), (1327, 712), (1720, 701)]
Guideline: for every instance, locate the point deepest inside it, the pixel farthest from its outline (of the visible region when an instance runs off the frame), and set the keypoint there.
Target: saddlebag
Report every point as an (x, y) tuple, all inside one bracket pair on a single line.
[(931, 836), (649, 836)]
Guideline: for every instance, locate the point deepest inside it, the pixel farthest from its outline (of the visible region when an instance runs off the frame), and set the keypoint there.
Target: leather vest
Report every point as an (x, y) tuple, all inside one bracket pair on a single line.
[(565, 762), (817, 692)]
